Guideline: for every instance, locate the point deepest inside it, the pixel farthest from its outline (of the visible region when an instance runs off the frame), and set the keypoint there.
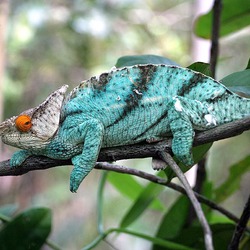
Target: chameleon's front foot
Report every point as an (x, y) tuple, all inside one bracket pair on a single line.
[(76, 178), (80, 171), (74, 182), (19, 157)]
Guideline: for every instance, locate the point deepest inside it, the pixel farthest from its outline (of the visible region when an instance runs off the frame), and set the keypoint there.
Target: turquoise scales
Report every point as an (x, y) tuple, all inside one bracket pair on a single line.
[(121, 107)]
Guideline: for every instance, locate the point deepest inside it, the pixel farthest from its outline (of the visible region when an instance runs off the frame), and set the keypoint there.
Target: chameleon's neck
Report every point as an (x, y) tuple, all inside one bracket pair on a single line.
[(231, 108)]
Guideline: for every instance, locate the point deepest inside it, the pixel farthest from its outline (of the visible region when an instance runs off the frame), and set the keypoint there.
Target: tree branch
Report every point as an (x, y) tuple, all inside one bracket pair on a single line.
[(214, 53), (200, 179), (217, 8), (190, 193)]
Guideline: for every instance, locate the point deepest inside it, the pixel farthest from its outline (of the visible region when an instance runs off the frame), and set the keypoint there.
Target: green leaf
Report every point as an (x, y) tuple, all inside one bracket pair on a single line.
[(235, 16), (125, 184), (128, 186), (200, 151), (222, 235), (232, 183), (193, 236), (28, 230), (245, 242), (148, 194), (248, 64), (207, 191), (142, 59), (238, 82), (157, 241), (176, 217), (201, 67)]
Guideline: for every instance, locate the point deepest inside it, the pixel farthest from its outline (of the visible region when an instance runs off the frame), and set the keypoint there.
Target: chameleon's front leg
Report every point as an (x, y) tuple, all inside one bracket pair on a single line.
[(92, 133), (19, 157)]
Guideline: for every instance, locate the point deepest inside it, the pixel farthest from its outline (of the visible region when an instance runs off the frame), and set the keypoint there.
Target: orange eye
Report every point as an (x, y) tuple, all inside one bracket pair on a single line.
[(23, 123)]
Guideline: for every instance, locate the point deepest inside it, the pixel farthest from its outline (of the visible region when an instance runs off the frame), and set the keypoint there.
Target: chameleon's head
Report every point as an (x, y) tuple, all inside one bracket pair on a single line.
[(35, 128)]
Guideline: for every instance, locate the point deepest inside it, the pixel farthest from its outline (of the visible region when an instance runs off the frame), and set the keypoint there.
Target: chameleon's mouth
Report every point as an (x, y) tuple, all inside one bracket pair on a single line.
[(24, 141)]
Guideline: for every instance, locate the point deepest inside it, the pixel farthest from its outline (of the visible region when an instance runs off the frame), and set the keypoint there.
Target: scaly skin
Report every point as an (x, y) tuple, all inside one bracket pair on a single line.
[(122, 107)]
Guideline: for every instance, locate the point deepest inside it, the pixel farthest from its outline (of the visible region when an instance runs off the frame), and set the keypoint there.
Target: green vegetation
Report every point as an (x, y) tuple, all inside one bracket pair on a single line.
[(64, 42)]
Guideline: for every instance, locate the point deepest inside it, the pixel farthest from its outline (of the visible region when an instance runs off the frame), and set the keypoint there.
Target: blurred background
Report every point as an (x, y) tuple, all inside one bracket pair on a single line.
[(45, 44)]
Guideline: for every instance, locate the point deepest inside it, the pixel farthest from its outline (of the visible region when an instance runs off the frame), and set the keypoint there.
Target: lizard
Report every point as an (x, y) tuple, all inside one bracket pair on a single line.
[(121, 107)]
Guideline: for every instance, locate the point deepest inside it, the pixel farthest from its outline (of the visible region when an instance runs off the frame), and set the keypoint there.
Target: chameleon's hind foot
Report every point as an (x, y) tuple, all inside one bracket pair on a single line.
[(186, 159), (181, 147), (158, 164)]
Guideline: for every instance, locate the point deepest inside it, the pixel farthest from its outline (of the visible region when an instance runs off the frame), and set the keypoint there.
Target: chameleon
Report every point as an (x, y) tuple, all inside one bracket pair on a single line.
[(122, 107)]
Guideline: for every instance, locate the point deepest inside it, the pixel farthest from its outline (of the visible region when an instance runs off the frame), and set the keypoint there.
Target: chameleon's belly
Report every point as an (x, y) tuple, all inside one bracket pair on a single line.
[(140, 124)]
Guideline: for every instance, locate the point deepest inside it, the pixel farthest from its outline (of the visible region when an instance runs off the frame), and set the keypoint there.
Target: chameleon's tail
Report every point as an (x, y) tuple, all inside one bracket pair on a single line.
[(231, 108)]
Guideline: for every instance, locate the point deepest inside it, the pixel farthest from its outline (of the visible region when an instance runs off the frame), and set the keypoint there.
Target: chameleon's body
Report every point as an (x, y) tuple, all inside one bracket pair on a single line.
[(121, 107)]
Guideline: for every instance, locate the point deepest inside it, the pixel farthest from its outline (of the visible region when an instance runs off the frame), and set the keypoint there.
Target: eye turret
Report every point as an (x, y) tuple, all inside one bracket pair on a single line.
[(23, 123)]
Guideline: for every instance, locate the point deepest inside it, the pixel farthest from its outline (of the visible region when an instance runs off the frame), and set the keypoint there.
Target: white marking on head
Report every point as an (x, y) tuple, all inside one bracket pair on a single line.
[(210, 120)]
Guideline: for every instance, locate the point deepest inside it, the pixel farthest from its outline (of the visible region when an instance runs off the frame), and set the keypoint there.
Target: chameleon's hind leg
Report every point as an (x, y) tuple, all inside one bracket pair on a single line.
[(182, 140), (183, 133)]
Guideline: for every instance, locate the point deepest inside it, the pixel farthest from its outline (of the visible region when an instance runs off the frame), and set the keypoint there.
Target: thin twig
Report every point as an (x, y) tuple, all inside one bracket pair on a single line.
[(217, 7), (200, 179), (164, 182), (241, 227), (197, 207), (214, 53)]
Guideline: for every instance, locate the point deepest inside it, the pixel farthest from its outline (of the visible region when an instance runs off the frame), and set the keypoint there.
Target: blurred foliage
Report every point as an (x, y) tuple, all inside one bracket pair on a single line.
[(174, 231), (143, 59), (53, 43), (31, 228), (50, 43), (238, 82), (234, 17)]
